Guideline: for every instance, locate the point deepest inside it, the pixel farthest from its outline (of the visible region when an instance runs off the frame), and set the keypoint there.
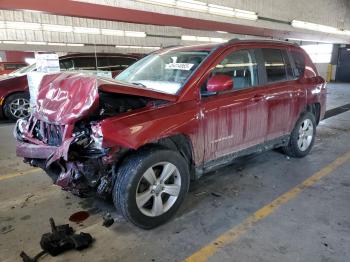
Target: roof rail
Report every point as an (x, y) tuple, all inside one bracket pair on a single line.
[(236, 40), (233, 40)]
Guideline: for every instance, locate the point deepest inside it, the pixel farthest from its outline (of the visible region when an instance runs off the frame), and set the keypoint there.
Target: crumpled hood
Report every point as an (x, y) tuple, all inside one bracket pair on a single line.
[(64, 98)]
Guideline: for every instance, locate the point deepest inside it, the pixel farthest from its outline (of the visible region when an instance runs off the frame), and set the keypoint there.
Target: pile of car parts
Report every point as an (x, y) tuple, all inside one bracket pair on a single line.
[(60, 239)]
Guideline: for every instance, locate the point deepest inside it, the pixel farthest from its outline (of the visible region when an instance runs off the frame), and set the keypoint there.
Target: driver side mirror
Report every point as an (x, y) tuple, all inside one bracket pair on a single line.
[(218, 83)]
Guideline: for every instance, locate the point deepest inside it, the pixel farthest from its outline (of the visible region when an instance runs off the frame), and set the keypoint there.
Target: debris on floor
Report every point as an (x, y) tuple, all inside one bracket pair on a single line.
[(27, 258), (107, 220), (26, 200), (216, 194), (7, 229), (60, 239), (197, 194)]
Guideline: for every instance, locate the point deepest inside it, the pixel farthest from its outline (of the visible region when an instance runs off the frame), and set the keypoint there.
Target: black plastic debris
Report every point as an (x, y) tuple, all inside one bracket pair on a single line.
[(27, 258), (60, 239), (216, 194), (107, 220)]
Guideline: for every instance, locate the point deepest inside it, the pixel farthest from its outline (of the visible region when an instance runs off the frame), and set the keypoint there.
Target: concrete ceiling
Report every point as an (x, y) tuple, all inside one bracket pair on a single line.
[(161, 25)]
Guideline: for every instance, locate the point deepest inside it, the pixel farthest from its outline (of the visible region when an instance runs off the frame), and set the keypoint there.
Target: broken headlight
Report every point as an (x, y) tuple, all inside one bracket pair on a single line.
[(96, 135)]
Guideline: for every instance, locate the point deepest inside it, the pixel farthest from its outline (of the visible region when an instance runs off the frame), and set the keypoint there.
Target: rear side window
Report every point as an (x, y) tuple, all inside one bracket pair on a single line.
[(274, 64), (299, 61)]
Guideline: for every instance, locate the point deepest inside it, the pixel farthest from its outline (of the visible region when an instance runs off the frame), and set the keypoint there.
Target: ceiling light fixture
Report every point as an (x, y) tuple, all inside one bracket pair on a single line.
[(188, 38), (151, 47), (72, 44), (221, 10), (36, 43), (306, 40), (203, 39), (244, 14), (137, 47), (57, 44), (58, 28), (112, 32), (86, 30), (13, 42), (23, 25), (160, 2), (192, 5), (217, 40), (135, 34), (315, 27)]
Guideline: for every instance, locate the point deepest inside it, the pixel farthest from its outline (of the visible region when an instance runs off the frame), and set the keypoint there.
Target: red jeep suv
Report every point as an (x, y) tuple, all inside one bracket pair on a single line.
[(169, 118)]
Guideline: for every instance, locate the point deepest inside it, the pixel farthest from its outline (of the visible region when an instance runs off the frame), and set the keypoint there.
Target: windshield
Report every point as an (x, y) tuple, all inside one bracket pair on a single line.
[(23, 70), (166, 72)]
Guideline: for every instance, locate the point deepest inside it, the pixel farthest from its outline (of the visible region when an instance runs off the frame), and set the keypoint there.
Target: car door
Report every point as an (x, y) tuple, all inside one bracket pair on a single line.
[(280, 90), (235, 119)]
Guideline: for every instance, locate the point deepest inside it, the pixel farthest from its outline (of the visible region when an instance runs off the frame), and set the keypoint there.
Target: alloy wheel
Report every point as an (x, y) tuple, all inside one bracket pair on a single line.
[(306, 132), (19, 108), (158, 189)]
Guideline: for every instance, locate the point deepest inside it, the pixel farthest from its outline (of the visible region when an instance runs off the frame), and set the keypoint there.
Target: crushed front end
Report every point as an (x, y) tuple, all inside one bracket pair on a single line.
[(70, 154), (63, 135)]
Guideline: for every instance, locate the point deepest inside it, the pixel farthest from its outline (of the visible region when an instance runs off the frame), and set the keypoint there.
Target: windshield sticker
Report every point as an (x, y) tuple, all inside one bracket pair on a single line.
[(179, 66)]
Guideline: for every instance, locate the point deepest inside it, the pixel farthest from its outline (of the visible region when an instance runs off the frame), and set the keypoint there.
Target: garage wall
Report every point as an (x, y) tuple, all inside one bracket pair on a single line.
[(322, 70)]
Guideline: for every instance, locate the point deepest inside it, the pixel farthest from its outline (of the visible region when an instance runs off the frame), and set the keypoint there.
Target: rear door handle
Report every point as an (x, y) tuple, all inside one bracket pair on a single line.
[(257, 98)]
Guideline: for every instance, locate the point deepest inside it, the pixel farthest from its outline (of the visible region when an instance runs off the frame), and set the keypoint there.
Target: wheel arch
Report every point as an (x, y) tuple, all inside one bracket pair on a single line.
[(179, 142), (315, 109), (6, 96)]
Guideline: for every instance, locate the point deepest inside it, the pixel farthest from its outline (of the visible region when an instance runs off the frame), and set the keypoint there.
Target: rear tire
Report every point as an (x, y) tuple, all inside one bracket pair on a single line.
[(302, 137), (16, 106), (150, 186)]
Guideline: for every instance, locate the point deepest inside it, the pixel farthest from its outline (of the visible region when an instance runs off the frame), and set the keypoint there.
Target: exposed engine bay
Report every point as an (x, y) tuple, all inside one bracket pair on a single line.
[(112, 104)]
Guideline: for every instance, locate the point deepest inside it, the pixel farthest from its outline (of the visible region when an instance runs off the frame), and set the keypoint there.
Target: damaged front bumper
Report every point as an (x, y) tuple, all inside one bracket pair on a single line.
[(76, 163)]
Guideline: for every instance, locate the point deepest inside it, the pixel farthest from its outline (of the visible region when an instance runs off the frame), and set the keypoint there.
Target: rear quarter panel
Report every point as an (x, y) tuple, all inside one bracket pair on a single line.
[(315, 86)]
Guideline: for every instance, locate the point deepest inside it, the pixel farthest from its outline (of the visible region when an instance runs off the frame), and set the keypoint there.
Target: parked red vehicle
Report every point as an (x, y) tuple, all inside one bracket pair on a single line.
[(169, 118), (14, 92), (9, 67)]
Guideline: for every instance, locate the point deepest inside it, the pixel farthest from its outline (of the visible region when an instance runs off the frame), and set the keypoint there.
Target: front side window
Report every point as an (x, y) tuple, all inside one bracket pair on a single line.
[(274, 64), (241, 67), (166, 72)]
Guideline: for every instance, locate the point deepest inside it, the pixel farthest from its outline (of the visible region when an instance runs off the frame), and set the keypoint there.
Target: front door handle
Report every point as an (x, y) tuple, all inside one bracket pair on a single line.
[(257, 98)]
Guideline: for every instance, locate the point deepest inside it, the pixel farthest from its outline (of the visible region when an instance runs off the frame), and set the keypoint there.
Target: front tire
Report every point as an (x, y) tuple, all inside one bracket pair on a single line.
[(150, 186), (17, 106), (302, 137)]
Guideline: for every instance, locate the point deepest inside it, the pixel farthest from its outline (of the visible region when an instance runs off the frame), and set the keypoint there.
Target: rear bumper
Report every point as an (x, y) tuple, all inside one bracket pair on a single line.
[(27, 150)]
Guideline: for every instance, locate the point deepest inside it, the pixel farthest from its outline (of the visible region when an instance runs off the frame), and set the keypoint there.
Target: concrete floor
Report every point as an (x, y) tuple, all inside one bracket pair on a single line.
[(314, 226)]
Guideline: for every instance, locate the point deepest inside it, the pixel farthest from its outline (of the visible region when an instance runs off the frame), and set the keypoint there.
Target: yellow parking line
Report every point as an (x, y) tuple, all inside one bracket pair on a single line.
[(16, 174), (234, 233)]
